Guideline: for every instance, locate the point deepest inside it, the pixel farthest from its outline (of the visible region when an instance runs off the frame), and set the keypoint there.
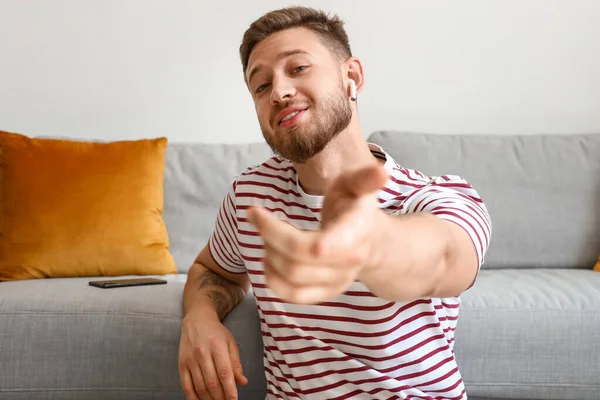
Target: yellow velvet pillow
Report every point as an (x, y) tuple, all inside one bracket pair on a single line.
[(597, 267), (75, 208)]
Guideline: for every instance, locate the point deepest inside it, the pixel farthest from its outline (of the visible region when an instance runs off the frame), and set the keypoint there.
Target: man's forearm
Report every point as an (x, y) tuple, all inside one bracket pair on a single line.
[(416, 256), (206, 291)]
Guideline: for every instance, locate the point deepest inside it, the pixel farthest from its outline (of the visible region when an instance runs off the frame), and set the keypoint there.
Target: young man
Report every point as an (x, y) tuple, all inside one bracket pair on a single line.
[(356, 263)]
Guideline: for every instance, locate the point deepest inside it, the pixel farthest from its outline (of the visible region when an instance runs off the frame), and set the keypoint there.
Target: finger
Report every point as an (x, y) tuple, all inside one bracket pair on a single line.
[(361, 182), (236, 363), (308, 274), (187, 385), (280, 261), (343, 238), (307, 295), (278, 234), (211, 381), (304, 294), (366, 180), (225, 374), (199, 385)]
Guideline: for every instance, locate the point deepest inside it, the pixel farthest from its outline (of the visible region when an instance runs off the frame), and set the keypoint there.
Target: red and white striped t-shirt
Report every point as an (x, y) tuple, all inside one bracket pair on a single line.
[(356, 346)]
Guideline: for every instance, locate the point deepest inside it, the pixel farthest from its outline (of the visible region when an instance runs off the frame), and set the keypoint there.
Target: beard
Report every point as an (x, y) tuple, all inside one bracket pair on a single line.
[(300, 144)]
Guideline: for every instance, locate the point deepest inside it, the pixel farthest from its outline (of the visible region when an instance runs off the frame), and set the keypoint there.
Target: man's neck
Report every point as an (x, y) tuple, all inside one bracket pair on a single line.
[(347, 151)]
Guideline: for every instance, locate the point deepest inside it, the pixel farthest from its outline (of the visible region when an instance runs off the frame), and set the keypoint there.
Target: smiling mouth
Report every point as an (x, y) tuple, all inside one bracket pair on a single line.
[(291, 116)]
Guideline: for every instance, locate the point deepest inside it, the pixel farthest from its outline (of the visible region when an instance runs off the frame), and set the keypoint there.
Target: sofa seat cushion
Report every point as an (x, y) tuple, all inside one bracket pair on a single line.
[(521, 334), (63, 339), (531, 333)]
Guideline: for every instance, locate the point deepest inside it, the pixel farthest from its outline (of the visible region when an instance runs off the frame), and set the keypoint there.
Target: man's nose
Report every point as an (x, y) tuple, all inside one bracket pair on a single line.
[(282, 90)]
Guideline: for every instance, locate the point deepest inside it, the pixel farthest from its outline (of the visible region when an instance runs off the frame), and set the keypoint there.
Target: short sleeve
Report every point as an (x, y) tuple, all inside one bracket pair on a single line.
[(223, 243), (452, 198)]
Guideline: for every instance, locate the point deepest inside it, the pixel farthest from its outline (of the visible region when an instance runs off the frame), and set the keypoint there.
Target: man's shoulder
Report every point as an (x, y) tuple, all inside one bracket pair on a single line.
[(272, 170), (398, 173), (406, 177), (275, 165), (412, 176)]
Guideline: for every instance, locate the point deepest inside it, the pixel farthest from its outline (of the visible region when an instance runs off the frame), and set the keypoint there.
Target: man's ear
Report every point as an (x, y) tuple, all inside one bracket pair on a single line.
[(354, 70)]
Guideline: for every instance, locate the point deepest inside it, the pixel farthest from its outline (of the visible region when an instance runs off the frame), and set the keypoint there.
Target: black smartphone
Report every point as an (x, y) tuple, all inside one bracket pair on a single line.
[(116, 283)]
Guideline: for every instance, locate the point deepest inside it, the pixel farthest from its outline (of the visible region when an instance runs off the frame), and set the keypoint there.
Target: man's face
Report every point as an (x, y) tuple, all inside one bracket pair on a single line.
[(300, 98)]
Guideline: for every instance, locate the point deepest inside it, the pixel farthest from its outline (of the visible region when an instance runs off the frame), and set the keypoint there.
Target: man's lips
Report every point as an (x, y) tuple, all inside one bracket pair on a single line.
[(287, 111)]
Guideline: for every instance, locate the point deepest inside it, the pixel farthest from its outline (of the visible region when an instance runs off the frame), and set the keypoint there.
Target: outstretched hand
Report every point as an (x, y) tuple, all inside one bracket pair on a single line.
[(308, 267)]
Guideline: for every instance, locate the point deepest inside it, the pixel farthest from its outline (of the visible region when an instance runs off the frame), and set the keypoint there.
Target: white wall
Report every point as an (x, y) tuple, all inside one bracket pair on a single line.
[(115, 69)]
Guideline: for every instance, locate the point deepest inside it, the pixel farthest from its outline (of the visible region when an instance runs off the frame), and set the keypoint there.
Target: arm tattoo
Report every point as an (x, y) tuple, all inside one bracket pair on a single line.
[(224, 294)]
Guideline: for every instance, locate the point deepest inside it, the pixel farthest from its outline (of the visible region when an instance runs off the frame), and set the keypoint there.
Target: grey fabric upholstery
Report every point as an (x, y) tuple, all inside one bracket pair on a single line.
[(528, 329), (522, 333), (542, 191), (63, 339), (531, 333), (197, 177)]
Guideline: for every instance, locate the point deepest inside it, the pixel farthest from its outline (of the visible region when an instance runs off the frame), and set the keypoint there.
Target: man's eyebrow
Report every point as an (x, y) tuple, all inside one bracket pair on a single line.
[(283, 54)]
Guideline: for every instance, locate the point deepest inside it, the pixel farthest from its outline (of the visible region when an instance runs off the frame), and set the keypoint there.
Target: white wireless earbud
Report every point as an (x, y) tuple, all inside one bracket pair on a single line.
[(352, 90)]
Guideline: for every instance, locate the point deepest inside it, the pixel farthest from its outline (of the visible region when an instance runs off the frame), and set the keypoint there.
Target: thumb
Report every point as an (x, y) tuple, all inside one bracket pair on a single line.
[(364, 181), (240, 379), (236, 364)]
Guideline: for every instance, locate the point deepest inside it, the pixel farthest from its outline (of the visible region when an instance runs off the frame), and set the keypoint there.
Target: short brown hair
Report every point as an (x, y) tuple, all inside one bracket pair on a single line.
[(329, 29)]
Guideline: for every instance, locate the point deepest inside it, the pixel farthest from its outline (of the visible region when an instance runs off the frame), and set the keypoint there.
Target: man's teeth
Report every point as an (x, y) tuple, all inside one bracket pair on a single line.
[(289, 116)]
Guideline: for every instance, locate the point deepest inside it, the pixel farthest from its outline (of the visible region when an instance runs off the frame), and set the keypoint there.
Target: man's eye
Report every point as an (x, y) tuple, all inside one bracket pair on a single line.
[(262, 87), (300, 68)]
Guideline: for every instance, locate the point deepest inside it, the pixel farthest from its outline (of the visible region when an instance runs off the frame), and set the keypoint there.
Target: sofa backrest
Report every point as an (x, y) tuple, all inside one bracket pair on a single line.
[(197, 177), (542, 191)]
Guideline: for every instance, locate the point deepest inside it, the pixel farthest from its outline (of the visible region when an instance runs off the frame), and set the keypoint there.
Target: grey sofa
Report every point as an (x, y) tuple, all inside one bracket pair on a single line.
[(528, 329)]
